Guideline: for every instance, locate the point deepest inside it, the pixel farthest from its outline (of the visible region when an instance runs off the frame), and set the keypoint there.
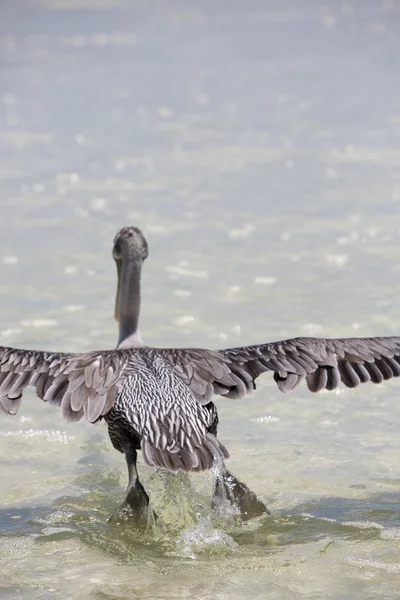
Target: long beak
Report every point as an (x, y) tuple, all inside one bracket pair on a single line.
[(118, 262)]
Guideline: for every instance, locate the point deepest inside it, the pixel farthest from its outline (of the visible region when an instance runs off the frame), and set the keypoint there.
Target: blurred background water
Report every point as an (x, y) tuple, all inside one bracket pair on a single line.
[(257, 145)]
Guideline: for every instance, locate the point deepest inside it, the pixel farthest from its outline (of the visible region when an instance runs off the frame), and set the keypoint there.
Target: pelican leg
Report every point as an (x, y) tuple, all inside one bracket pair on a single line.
[(228, 489), (135, 503)]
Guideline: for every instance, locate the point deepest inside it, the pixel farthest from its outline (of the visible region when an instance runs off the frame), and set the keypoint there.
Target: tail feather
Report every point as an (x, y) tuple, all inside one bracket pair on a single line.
[(182, 459)]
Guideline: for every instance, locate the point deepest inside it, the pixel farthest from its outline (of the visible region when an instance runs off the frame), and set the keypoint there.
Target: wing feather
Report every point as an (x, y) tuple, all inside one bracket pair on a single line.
[(324, 363), (81, 384)]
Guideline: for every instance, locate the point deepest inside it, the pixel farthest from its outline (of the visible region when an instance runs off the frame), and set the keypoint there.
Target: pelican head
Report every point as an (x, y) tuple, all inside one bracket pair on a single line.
[(130, 241)]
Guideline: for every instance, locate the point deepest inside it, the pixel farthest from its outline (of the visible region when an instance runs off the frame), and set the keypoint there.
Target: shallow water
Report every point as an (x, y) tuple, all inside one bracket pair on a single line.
[(257, 145)]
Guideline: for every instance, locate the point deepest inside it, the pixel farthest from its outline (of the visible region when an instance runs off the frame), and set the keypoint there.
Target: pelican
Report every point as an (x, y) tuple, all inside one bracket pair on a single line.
[(159, 400)]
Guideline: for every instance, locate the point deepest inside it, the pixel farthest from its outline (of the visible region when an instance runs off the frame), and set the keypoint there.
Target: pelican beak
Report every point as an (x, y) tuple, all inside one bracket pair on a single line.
[(118, 262)]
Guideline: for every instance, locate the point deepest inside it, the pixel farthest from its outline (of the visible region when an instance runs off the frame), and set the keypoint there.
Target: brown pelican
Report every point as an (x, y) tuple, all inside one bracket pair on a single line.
[(159, 400)]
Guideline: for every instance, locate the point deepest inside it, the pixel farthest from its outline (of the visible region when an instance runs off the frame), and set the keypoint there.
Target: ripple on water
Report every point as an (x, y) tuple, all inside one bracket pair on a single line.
[(374, 564), (49, 436)]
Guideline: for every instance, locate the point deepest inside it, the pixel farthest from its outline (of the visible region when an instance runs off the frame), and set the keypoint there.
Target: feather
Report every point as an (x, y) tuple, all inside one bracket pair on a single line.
[(374, 372), (348, 374), (288, 383), (333, 378)]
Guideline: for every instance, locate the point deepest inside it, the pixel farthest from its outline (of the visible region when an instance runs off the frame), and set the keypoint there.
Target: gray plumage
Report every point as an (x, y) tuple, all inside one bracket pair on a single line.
[(162, 393), (160, 400)]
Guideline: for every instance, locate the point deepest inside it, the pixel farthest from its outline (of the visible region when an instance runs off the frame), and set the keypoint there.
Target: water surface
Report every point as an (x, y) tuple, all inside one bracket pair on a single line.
[(257, 145)]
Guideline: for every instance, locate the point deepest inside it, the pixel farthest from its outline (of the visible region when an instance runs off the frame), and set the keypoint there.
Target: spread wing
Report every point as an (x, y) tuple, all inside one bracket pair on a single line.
[(323, 363), (81, 384)]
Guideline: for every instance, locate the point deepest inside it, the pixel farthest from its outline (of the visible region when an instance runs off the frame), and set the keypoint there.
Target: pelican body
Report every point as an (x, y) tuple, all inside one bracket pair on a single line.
[(159, 400)]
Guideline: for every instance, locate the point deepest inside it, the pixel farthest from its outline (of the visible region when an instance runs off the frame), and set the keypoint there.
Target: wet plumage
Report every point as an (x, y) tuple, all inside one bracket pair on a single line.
[(160, 400)]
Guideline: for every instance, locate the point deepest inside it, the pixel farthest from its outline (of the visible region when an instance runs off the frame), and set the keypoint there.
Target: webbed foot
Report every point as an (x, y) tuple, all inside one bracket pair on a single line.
[(135, 506), (229, 489)]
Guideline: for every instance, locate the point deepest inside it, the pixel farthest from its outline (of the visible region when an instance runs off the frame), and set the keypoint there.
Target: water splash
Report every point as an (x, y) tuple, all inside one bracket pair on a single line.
[(204, 538)]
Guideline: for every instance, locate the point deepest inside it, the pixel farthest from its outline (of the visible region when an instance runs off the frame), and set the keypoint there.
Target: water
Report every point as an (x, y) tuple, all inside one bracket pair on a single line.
[(257, 145)]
